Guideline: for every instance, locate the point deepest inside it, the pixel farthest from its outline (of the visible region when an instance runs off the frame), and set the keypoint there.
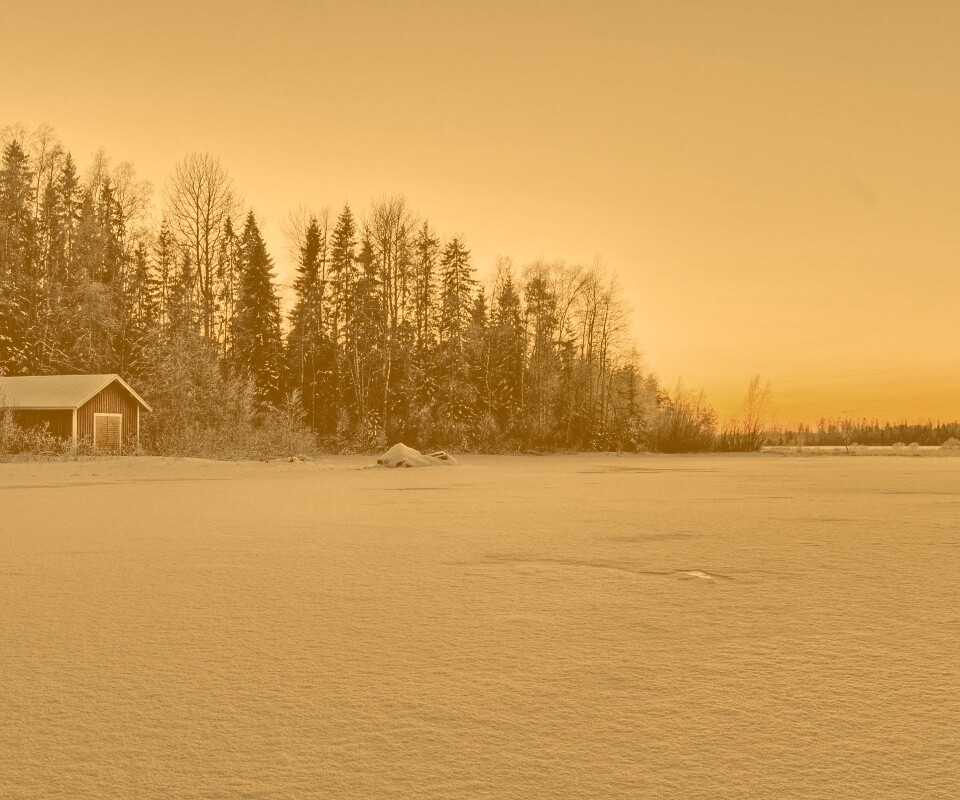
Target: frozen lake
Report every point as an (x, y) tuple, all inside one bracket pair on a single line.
[(764, 626)]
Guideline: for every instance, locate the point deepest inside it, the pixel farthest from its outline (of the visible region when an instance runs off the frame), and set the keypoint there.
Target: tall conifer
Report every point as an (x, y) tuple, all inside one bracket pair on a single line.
[(256, 351)]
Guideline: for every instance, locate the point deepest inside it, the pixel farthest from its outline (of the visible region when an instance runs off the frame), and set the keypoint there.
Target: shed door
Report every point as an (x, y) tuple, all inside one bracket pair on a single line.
[(107, 433)]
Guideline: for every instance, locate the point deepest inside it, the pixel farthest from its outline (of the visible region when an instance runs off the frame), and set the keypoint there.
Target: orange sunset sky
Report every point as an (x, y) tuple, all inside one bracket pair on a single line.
[(776, 183)]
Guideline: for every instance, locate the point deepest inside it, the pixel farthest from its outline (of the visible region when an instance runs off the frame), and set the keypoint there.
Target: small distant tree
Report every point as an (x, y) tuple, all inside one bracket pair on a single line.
[(747, 430), (848, 429), (285, 429)]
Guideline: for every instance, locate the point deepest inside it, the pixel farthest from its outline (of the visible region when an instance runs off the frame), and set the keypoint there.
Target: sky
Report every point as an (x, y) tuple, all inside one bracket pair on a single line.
[(777, 184)]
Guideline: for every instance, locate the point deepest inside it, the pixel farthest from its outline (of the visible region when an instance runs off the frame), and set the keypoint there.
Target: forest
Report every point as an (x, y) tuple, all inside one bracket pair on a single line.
[(390, 334)]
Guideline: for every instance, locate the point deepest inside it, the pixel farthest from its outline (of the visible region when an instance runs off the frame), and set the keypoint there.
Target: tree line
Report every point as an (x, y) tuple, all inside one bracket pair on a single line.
[(848, 430), (391, 335)]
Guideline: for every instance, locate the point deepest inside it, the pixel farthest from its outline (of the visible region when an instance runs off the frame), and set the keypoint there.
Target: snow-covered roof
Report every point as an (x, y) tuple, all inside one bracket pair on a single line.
[(57, 391)]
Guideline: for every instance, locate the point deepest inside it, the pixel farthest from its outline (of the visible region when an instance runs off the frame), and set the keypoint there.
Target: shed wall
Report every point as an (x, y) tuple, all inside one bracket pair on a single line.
[(114, 399)]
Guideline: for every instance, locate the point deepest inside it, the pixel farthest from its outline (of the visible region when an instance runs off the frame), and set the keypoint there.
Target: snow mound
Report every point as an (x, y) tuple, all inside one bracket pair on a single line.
[(402, 456)]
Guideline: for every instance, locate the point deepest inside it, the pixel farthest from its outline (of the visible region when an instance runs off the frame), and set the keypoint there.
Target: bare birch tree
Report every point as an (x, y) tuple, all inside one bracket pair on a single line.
[(200, 199)]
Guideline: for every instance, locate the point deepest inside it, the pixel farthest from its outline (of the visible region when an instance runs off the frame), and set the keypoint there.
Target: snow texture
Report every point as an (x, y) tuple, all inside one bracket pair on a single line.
[(592, 627)]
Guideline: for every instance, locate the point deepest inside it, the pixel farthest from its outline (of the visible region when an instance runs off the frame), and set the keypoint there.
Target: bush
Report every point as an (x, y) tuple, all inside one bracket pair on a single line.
[(15, 440), (283, 430), (202, 411), (684, 423)]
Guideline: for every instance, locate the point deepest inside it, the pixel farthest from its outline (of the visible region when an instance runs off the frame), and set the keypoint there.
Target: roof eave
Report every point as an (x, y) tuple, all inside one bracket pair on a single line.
[(35, 407)]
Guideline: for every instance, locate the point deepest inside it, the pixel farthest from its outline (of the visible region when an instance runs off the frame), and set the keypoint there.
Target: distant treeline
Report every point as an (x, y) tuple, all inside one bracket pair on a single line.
[(847, 431)]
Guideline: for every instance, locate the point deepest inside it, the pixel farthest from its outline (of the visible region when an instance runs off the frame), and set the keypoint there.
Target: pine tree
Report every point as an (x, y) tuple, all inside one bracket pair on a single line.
[(507, 352), (456, 406), (257, 349), (421, 380), (542, 364), (426, 248), (226, 285), (364, 345), (310, 352), (61, 206), (180, 308), (457, 283), (343, 273), (142, 310), (110, 262), (164, 271), (17, 262), (478, 354), (144, 290)]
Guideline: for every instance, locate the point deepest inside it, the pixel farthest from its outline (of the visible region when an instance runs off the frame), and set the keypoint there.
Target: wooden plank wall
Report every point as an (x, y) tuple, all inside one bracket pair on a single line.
[(114, 399)]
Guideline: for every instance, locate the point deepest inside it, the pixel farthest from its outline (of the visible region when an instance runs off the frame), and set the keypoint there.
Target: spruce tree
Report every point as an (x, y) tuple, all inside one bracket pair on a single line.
[(309, 350), (343, 272), (426, 248), (257, 351), (164, 271), (18, 280), (507, 352), (543, 361), (225, 285), (478, 354), (457, 282), (143, 292), (457, 395), (180, 305), (364, 347)]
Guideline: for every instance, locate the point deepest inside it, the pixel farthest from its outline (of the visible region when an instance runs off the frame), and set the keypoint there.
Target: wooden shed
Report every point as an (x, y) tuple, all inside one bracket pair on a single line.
[(101, 409)]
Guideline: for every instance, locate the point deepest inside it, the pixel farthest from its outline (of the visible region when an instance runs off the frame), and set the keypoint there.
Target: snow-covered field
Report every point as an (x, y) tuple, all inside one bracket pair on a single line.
[(764, 626)]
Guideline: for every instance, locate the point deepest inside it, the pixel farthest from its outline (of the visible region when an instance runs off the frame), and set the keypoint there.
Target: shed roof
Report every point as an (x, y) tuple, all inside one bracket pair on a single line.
[(57, 391)]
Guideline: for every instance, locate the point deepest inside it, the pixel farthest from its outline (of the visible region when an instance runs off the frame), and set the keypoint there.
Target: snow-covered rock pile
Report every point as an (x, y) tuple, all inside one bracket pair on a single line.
[(402, 456)]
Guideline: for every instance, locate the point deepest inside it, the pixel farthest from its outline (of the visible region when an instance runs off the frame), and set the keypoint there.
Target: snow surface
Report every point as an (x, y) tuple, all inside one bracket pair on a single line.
[(762, 626)]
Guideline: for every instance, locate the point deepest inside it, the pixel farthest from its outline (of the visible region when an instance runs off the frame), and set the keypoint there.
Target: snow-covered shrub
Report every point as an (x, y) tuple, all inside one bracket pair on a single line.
[(684, 423), (18, 441), (204, 411)]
